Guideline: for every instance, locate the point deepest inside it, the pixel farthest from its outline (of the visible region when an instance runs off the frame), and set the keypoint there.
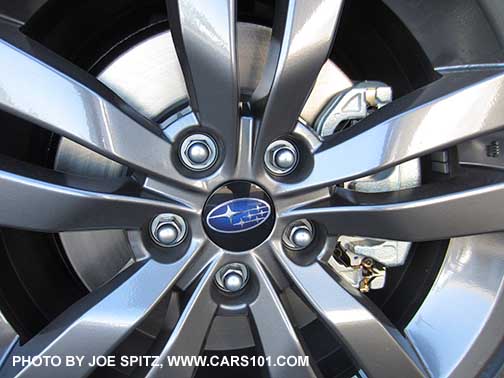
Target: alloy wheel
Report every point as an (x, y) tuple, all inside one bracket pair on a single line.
[(235, 144)]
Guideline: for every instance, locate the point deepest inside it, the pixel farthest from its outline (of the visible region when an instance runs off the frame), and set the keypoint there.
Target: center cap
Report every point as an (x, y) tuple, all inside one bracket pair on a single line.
[(238, 216)]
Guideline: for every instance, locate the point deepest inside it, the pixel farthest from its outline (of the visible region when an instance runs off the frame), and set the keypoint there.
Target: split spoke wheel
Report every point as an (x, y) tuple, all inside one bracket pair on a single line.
[(238, 199)]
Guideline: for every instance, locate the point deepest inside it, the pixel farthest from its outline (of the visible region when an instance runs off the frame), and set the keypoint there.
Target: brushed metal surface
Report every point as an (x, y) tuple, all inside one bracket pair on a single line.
[(459, 325)]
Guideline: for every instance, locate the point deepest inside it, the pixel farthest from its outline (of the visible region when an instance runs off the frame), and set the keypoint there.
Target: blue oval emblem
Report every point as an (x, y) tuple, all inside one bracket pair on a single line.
[(238, 215)]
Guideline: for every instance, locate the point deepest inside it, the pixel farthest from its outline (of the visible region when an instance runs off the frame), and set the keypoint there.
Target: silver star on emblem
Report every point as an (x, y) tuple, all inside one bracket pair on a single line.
[(228, 214)]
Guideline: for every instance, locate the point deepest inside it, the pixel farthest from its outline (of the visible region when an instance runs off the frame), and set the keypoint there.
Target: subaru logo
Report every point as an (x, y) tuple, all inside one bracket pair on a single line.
[(238, 215)]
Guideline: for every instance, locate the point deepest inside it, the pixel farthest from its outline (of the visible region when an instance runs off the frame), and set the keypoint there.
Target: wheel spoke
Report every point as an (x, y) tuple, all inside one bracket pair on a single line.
[(457, 107), (303, 32), (188, 337), (379, 349), (204, 34), (245, 148), (435, 212), (274, 329), (49, 91), (100, 321), (43, 200)]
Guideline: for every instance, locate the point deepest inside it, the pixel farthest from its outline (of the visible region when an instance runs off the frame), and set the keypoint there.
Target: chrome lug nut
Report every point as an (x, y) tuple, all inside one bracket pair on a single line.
[(302, 237), (167, 234), (198, 152), (285, 158), (232, 278), (168, 230), (298, 235), (281, 157), (233, 282)]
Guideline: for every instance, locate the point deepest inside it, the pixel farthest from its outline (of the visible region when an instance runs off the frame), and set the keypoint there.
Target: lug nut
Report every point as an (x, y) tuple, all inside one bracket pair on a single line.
[(285, 158), (232, 278), (298, 235), (167, 234), (281, 157), (233, 282), (198, 152), (168, 230), (302, 237)]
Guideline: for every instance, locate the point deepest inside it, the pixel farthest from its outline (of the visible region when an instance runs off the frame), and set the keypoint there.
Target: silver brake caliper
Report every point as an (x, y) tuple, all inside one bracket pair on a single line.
[(361, 261), (352, 105)]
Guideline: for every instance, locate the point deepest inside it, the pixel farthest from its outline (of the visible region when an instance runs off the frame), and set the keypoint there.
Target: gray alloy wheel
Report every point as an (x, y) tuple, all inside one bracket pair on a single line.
[(235, 199)]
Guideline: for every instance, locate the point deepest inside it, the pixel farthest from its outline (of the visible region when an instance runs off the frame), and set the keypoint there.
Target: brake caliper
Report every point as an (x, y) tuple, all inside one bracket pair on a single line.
[(363, 261)]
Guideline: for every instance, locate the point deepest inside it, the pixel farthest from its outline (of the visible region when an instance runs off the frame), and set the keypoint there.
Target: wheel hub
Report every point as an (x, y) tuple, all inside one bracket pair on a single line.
[(239, 216)]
